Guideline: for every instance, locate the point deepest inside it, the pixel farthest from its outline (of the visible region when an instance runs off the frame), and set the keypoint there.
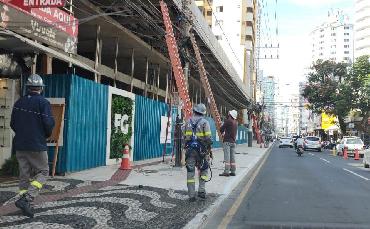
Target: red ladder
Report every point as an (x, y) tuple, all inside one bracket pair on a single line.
[(207, 86), (175, 62)]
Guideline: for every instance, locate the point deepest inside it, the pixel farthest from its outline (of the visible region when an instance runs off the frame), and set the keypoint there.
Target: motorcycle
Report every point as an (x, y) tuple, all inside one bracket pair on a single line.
[(299, 150)]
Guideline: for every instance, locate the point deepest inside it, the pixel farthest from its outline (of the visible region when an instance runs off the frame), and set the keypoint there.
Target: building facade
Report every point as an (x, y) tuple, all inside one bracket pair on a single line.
[(234, 25), (268, 98), (362, 28), (333, 39), (205, 6)]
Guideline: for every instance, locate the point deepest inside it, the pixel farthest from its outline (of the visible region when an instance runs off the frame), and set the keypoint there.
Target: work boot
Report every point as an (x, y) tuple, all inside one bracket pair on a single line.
[(232, 174), (24, 203), (192, 199), (202, 195), (224, 174)]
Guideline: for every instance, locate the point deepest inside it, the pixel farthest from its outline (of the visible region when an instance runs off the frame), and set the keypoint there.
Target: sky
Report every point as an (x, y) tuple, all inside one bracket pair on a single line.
[(296, 19)]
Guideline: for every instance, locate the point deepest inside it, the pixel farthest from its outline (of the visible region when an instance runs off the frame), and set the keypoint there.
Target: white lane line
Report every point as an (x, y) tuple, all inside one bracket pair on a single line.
[(356, 174), (325, 160)]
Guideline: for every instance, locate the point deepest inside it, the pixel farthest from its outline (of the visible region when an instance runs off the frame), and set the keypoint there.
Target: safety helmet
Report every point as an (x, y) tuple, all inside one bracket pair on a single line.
[(233, 114), (200, 108), (35, 80)]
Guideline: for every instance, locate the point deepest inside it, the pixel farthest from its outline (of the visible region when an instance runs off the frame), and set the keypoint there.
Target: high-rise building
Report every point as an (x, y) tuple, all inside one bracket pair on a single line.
[(205, 6), (268, 97), (234, 25), (362, 27), (333, 39)]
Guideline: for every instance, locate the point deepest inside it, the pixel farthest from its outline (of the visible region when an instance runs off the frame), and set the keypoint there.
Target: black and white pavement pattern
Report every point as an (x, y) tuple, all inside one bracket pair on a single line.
[(118, 206), (9, 190)]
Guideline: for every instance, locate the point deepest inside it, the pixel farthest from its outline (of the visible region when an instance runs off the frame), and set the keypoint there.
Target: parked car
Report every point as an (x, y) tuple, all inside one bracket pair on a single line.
[(286, 142), (312, 142), (366, 159), (351, 143)]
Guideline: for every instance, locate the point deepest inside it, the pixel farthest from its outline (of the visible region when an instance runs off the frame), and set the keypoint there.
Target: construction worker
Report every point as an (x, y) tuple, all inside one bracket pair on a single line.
[(229, 130), (32, 123), (198, 147)]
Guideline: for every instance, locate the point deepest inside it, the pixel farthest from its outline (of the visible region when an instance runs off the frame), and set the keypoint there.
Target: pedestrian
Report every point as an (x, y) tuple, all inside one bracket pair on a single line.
[(198, 148), (229, 129), (32, 123)]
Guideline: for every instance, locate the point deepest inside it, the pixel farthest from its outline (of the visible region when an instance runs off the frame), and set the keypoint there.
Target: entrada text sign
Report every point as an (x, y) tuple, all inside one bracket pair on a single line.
[(38, 3)]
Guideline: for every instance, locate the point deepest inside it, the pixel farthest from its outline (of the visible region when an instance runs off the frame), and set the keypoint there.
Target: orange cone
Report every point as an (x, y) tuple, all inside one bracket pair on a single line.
[(345, 154), (125, 164), (357, 155)]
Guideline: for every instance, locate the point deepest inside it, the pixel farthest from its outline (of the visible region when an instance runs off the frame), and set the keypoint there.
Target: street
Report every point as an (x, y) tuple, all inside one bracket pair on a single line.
[(316, 190)]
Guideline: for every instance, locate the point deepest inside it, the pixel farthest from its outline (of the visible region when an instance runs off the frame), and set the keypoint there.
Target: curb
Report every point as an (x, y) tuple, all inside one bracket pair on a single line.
[(201, 219)]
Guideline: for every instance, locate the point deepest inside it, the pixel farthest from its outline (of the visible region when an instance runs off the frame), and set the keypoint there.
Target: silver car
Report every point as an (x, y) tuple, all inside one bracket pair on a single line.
[(312, 142), (286, 142)]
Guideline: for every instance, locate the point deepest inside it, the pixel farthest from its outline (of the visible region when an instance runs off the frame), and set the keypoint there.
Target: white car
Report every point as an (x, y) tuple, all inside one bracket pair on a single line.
[(350, 143), (286, 142), (312, 142)]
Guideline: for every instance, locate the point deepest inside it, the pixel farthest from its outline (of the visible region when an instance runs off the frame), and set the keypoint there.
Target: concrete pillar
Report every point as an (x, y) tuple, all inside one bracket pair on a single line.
[(146, 77), (98, 48), (115, 61), (132, 69)]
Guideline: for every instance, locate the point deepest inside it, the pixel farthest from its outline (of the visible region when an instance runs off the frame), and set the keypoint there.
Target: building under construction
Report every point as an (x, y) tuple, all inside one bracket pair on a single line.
[(121, 46)]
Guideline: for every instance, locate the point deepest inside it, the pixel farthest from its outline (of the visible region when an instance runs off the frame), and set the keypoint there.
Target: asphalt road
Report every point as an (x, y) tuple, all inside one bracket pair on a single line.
[(317, 190)]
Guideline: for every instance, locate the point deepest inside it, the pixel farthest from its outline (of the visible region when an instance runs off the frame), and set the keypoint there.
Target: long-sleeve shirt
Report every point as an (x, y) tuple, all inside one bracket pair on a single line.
[(32, 123), (229, 128)]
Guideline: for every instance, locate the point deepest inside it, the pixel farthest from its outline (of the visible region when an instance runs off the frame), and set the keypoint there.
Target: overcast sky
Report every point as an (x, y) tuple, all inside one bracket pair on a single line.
[(296, 19)]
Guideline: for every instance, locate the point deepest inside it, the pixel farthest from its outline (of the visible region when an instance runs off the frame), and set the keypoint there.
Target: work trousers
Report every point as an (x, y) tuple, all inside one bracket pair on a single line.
[(229, 157), (33, 171), (192, 163)]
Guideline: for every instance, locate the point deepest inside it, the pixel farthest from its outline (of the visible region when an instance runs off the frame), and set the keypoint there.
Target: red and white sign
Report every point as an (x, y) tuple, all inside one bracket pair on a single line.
[(53, 16), (58, 18), (24, 4)]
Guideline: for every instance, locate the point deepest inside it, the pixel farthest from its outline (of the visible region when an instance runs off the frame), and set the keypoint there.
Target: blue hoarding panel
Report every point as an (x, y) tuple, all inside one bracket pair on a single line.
[(85, 127)]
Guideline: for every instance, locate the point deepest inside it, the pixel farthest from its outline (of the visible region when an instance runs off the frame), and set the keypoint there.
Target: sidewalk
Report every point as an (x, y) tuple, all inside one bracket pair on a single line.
[(154, 193)]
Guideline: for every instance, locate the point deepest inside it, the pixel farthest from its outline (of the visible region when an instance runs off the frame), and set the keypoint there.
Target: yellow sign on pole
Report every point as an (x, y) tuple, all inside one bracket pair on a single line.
[(327, 121)]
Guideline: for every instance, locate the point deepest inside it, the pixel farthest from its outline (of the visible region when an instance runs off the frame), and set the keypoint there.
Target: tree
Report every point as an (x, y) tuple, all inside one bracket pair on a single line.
[(357, 88), (324, 92)]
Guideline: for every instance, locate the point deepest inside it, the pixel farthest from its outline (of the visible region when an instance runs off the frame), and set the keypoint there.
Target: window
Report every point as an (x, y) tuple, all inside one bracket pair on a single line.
[(346, 34), (333, 34), (346, 40), (346, 58), (218, 37), (346, 52), (220, 22), (346, 27), (209, 13), (346, 46), (220, 9)]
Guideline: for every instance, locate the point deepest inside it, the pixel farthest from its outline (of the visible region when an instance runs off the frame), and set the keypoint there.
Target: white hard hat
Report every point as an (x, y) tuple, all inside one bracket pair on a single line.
[(233, 114), (200, 108)]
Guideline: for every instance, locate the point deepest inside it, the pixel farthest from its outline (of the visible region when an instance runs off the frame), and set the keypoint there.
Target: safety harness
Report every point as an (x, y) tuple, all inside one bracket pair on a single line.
[(197, 146)]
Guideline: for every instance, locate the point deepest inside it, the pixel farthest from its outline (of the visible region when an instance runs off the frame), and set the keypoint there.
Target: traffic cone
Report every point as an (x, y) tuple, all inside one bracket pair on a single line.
[(345, 154), (357, 155), (125, 164)]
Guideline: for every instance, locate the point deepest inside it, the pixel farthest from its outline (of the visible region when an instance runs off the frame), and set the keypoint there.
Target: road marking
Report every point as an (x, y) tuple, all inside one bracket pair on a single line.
[(356, 174), (311, 154), (230, 214), (325, 160)]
